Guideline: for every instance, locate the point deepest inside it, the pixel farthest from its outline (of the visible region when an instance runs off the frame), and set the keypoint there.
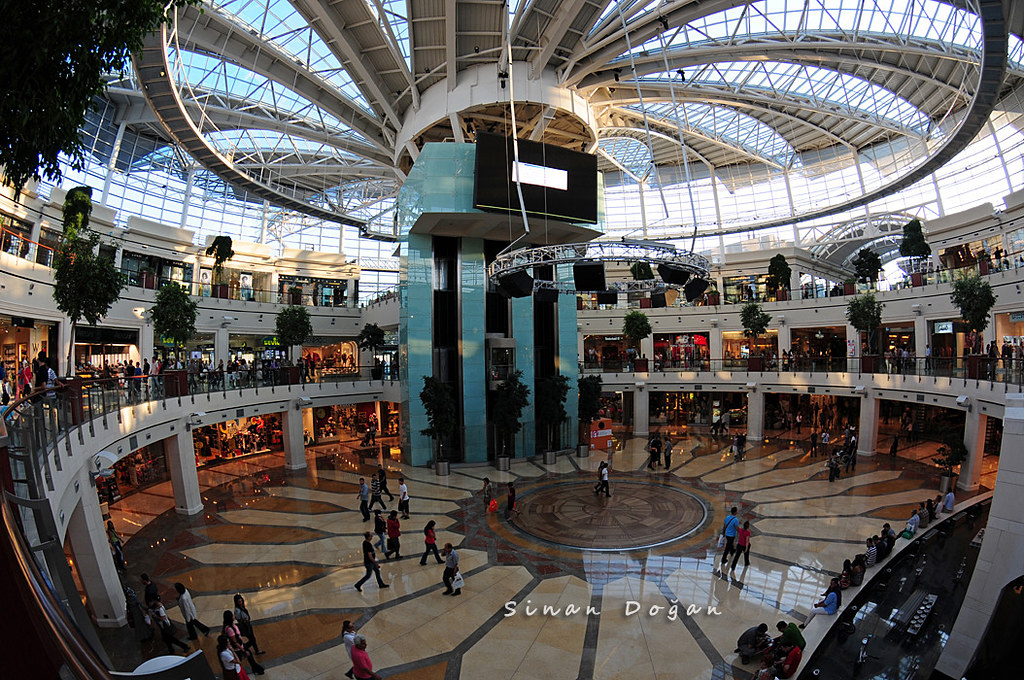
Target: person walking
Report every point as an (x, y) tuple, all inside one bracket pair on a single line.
[(362, 667), (510, 501), (814, 443), (430, 544), (382, 477), (654, 448), (158, 615), (602, 482), (403, 498), (487, 491), (370, 563), (375, 494), (894, 446), (116, 547), (244, 622), (238, 643), (229, 661), (380, 528), (729, 529), (348, 634), (666, 453), (188, 613), (451, 570), (394, 529), (364, 499), (742, 547)]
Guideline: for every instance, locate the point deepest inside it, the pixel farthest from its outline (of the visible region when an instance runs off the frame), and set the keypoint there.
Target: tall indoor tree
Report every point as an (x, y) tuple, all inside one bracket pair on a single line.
[(864, 313), (754, 319), (867, 264), (589, 401), (914, 244), (511, 397), (58, 57), (293, 326), (85, 284), (973, 296), (549, 405), (438, 401), (779, 273), (370, 338), (174, 314)]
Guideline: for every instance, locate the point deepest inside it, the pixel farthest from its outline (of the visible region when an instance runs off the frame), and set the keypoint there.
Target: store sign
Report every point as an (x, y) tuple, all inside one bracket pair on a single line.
[(943, 327), (167, 341), (1016, 317), (613, 338), (271, 341), (700, 340)]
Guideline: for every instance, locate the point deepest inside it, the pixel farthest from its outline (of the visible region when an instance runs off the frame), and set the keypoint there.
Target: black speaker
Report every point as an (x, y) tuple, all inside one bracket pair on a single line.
[(589, 276), (517, 284), (672, 274), (545, 295), (608, 298), (657, 299), (694, 289)]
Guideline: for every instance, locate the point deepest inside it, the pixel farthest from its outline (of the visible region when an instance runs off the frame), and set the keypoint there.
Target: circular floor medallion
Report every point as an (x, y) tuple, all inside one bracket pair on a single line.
[(640, 514)]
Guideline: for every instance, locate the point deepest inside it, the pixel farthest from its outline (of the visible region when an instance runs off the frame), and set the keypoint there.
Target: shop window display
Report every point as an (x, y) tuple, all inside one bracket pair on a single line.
[(236, 438)]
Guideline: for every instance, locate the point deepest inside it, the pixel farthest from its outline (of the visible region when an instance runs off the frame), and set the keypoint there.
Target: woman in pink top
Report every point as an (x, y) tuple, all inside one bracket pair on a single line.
[(742, 546), (362, 668)]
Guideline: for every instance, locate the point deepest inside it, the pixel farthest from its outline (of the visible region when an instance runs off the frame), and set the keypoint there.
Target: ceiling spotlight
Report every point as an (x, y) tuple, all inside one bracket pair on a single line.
[(681, 74), (664, 22), (616, 76)]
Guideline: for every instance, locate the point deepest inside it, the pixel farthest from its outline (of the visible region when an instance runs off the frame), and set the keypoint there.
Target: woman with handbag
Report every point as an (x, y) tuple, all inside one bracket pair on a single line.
[(158, 615), (394, 531), (430, 541), (229, 660), (244, 622), (239, 645)]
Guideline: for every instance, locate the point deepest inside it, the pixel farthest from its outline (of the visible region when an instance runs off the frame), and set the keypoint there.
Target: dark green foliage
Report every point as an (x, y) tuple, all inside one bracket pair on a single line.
[(589, 397), (636, 327), (439, 405), (952, 451), (54, 57), (864, 313), (293, 326), (973, 296), (371, 337), (510, 399), (641, 271), (867, 264), (754, 320), (85, 285), (549, 404), (913, 243), (779, 273), (174, 314), (220, 250)]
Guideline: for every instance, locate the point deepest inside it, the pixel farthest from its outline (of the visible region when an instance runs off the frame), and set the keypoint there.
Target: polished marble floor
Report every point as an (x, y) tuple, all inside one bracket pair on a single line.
[(291, 544)]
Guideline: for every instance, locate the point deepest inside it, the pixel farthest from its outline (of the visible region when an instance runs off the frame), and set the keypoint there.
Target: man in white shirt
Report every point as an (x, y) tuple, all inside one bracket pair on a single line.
[(154, 378), (348, 633), (403, 498)]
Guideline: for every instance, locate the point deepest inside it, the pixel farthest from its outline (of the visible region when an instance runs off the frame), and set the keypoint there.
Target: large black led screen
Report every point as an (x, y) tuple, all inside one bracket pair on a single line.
[(556, 182)]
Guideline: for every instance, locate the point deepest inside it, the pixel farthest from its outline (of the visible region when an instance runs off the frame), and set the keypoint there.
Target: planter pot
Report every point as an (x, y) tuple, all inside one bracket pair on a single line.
[(149, 281), (442, 468), (974, 367), (983, 266), (175, 383), (867, 363), (377, 373), (583, 451), (550, 457), (782, 295), (502, 463), (755, 364), (295, 298), (945, 483), (579, 303), (220, 290), (640, 365), (917, 279), (292, 375), (645, 303), (849, 289), (713, 298)]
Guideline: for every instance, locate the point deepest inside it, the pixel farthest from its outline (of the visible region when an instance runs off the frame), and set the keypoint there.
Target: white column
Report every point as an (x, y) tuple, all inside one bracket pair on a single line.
[(755, 415), (147, 342), (1002, 551), (715, 343), (181, 461), (647, 347), (853, 334), (294, 444), (220, 345), (785, 338), (921, 339), (641, 412), (93, 561), (867, 434), (350, 292), (974, 440)]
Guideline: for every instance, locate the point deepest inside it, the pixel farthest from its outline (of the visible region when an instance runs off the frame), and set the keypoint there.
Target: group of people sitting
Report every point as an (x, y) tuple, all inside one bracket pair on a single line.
[(781, 656)]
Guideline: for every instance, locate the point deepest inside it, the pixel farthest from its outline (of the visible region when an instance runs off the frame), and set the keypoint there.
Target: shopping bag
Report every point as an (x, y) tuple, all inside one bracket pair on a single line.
[(721, 540), (493, 507), (458, 581)]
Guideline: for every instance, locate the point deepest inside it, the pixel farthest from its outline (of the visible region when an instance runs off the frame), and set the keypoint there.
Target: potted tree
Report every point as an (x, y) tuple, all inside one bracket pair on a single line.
[(914, 246), (779, 276), (148, 278), (952, 453), (849, 286), (85, 284), (293, 328), (973, 296), (549, 410), (641, 271), (587, 408), (510, 399), (174, 316), (439, 405), (636, 326), (864, 313), (755, 323), (712, 294), (867, 264), (370, 338), (295, 295), (220, 250)]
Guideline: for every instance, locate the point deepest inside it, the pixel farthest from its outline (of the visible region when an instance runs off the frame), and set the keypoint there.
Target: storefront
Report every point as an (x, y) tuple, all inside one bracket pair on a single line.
[(898, 337), (682, 351), (151, 271), (820, 412), (738, 289), (607, 352), (321, 292), (22, 339), (331, 356), (672, 411), (948, 339), (96, 346), (818, 349), (200, 347), (1009, 330), (235, 438), (254, 347), (338, 423), (735, 345), (140, 469)]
